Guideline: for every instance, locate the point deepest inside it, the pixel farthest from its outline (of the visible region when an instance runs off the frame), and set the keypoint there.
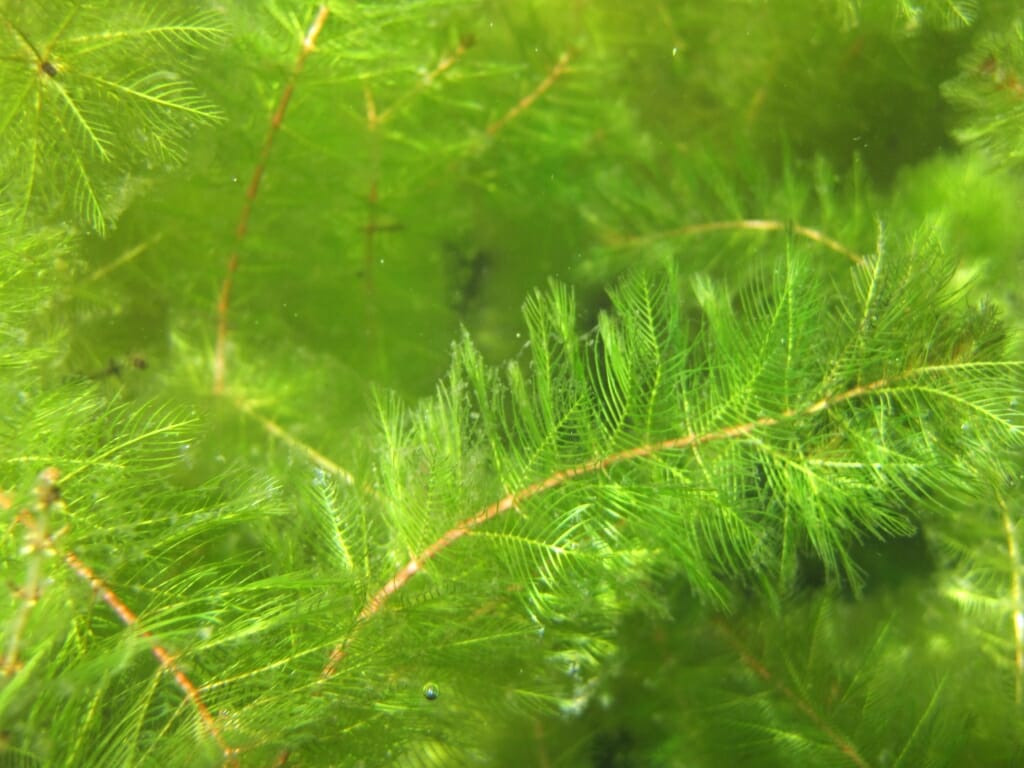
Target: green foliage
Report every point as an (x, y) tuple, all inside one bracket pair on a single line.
[(91, 108), (741, 485), (990, 91)]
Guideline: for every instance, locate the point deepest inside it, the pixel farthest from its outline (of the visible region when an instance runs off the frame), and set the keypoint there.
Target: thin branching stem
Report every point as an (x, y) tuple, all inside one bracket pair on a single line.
[(125, 258), (36, 548), (561, 477), (757, 225), (371, 226), (748, 658), (163, 656), (49, 495), (376, 119), (557, 71), (242, 228), (287, 437), (1017, 595)]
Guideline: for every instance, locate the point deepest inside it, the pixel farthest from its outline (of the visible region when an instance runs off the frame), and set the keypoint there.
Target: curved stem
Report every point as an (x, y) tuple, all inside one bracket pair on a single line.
[(561, 477)]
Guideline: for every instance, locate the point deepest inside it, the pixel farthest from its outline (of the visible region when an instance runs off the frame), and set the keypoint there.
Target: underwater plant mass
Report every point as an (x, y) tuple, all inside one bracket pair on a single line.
[(482, 383)]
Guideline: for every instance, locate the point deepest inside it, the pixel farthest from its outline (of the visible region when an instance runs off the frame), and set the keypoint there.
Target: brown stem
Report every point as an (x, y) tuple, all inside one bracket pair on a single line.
[(762, 225), (163, 656), (752, 662), (560, 68), (559, 478), (36, 549), (376, 119), (224, 302), (370, 228), (49, 494)]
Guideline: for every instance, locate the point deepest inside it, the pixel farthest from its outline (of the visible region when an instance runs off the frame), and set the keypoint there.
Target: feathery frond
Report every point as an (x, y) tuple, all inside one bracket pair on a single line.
[(989, 91), (102, 94)]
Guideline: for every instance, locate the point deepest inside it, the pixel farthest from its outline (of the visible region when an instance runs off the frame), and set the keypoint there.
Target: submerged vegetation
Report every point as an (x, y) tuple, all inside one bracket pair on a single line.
[(534, 383)]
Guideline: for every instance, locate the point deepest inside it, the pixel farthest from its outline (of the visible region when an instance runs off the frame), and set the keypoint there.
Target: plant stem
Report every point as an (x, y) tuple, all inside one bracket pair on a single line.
[(241, 229), (513, 500)]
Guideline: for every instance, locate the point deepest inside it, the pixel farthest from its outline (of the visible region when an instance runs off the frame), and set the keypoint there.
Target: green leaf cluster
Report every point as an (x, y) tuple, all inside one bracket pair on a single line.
[(91, 108)]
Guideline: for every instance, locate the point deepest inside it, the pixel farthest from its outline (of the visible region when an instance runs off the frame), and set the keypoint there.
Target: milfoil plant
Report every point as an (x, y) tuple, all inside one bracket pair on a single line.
[(288, 478)]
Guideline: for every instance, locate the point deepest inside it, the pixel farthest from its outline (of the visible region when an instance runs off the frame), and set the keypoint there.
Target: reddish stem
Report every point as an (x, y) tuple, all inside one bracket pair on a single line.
[(223, 304), (129, 618), (513, 500), (374, 120)]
